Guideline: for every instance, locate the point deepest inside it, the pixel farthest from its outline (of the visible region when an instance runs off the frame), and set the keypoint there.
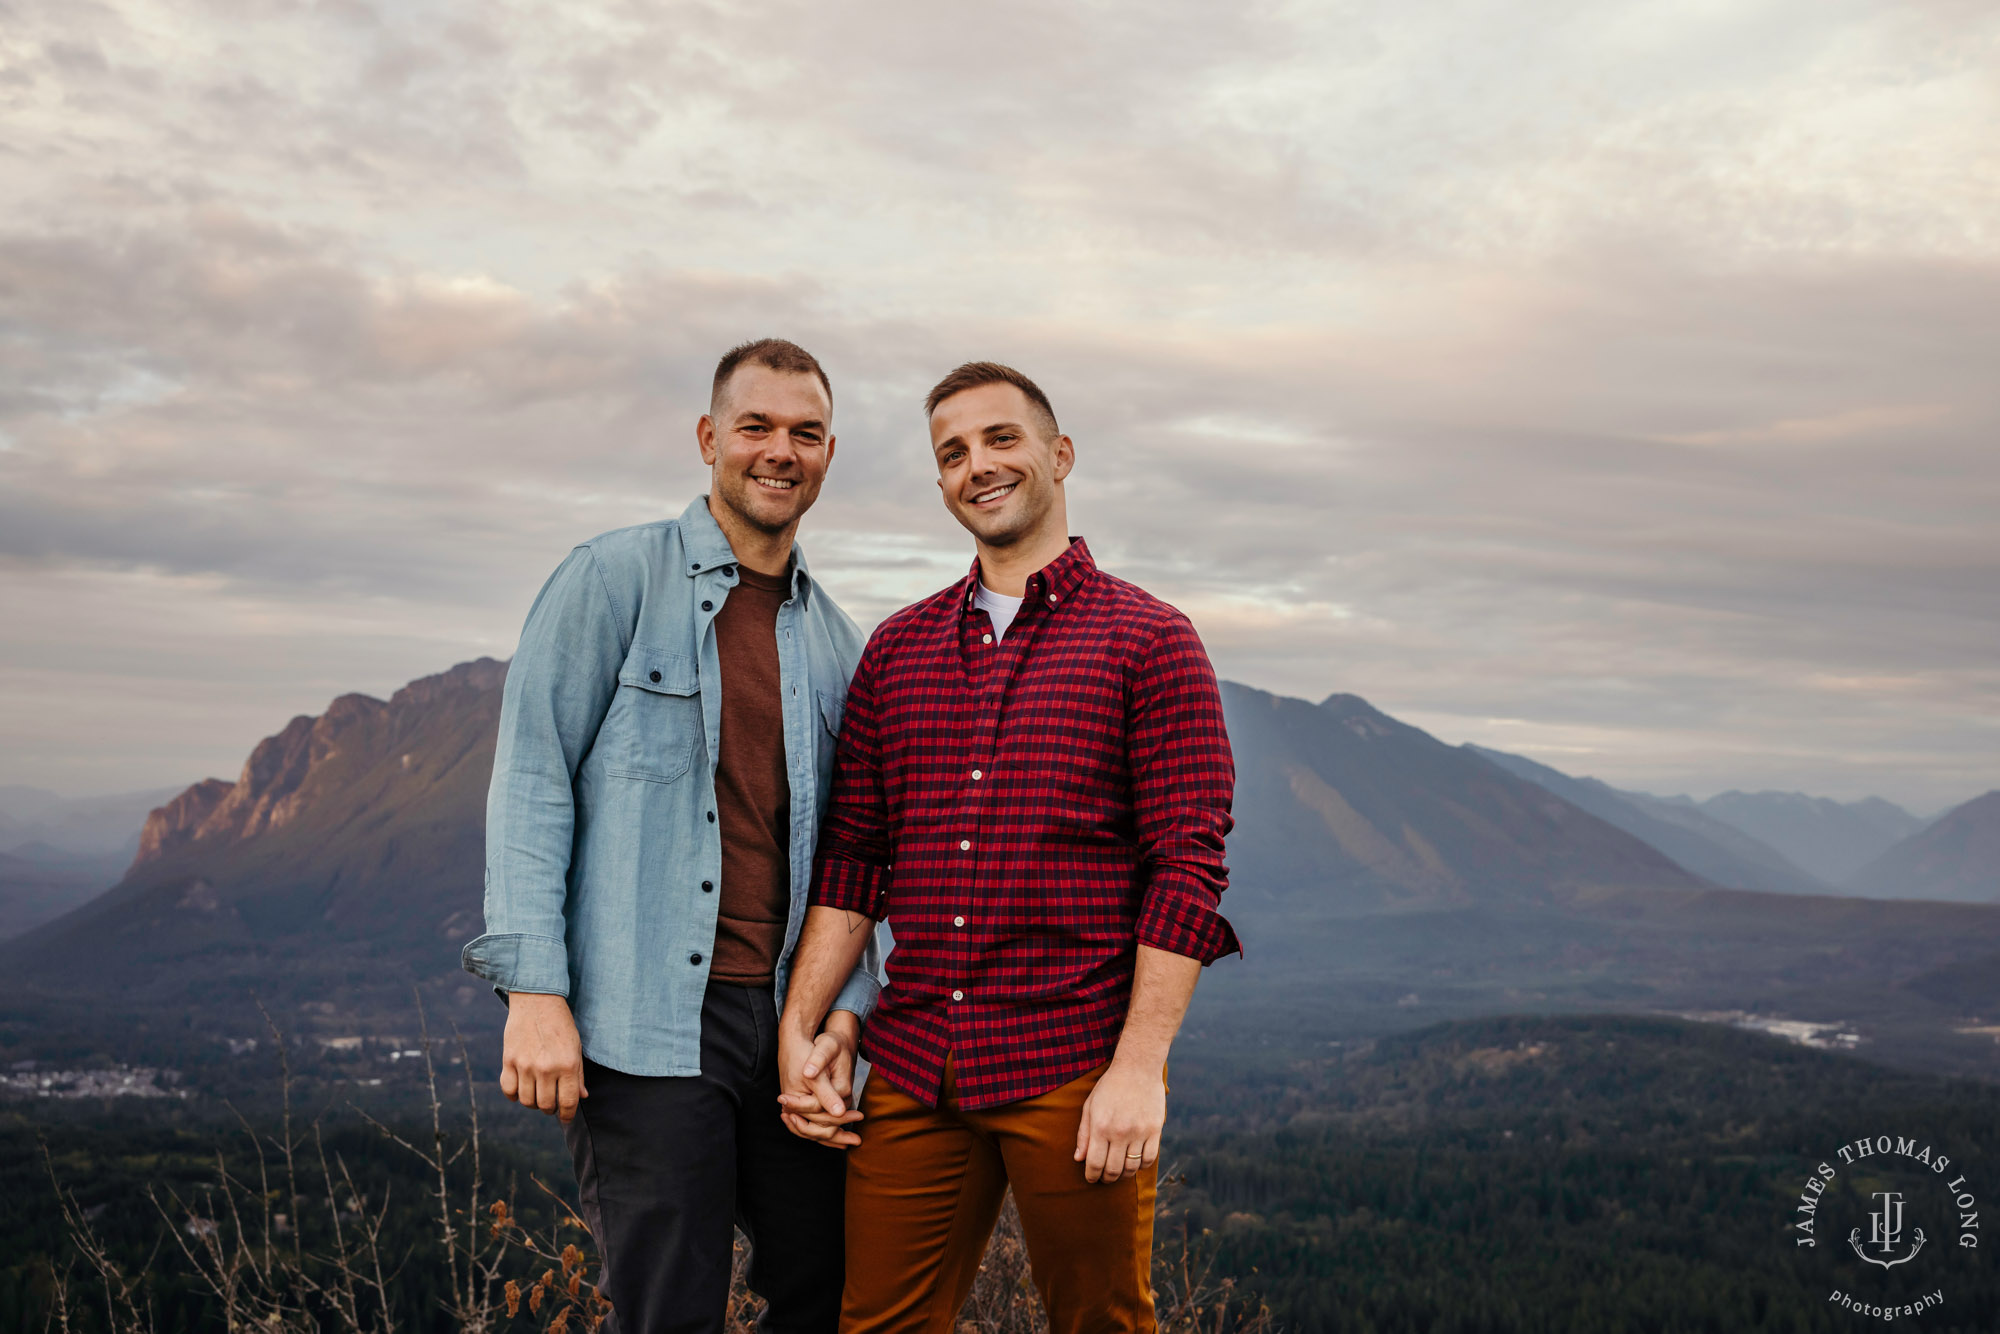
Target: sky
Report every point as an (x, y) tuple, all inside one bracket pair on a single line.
[(1608, 382)]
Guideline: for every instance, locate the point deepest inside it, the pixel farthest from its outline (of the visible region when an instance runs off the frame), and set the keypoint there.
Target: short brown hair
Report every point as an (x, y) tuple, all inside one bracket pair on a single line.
[(976, 373), (777, 354)]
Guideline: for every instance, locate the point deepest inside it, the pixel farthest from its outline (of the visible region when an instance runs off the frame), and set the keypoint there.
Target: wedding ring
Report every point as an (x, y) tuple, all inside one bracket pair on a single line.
[(1135, 1155)]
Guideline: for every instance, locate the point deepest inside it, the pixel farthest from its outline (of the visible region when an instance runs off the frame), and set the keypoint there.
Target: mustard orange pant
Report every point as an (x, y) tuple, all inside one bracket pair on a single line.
[(924, 1188)]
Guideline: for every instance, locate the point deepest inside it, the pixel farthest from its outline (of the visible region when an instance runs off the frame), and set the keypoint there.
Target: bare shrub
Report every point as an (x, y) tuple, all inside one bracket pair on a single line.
[(254, 1260), (1003, 1299), (1187, 1296)]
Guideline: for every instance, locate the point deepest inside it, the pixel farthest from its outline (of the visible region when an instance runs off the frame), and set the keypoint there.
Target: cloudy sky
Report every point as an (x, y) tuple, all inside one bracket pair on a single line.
[(1614, 383)]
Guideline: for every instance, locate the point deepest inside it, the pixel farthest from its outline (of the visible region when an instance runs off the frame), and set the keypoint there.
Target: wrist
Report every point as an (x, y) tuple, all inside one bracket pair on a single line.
[(794, 1026), (845, 1025), (1140, 1059)]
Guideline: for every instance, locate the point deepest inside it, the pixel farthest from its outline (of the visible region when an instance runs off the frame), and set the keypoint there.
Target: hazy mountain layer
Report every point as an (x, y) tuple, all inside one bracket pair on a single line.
[(1695, 840), (1829, 839), (92, 827), (1957, 858), (39, 885)]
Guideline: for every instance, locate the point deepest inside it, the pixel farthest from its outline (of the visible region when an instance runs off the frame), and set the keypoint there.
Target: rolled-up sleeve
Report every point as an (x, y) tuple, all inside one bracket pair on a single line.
[(851, 869), (1183, 779), (558, 689)]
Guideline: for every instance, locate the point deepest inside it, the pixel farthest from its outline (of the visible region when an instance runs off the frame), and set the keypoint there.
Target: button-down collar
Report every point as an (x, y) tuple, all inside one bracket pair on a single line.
[(707, 549), (1048, 587)]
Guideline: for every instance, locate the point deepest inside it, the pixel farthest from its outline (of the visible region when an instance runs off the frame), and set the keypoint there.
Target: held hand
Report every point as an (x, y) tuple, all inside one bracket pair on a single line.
[(541, 1061), (1120, 1130), (817, 1079)]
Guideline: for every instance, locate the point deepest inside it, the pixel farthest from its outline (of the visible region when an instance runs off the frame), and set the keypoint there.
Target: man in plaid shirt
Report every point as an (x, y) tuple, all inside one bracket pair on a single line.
[(1032, 787)]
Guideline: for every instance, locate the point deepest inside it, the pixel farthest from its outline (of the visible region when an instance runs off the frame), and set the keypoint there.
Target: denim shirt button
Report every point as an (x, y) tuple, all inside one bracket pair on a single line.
[(708, 886), (706, 605), (694, 959)]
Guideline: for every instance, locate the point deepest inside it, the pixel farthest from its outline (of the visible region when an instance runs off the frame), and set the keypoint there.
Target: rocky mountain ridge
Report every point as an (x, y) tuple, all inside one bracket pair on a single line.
[(277, 781), (1378, 877)]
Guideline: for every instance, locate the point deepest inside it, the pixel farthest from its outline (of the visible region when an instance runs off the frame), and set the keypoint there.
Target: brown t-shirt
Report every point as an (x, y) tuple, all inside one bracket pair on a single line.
[(753, 799)]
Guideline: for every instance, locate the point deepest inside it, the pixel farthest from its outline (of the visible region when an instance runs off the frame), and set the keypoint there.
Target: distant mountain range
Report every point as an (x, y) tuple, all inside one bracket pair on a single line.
[(1379, 876), (1829, 839), (1364, 812), (1790, 843), (1957, 858), (1716, 851), (44, 826), (57, 852)]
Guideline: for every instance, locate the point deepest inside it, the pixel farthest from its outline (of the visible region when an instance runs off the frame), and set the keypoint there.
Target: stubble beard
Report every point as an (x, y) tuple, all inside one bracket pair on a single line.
[(1024, 524), (741, 502)]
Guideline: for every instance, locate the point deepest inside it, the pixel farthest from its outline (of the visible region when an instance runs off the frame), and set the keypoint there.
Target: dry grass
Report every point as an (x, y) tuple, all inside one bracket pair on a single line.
[(502, 1275), (252, 1258)]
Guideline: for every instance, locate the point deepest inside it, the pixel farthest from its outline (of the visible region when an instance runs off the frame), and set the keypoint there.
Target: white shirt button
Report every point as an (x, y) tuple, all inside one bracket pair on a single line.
[(1052, 599), (986, 639), (977, 775), (965, 845), (958, 921), (958, 995)]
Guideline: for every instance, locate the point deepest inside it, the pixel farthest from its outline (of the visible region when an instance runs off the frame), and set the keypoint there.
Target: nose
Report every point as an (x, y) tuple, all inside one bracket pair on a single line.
[(780, 449), (980, 462)]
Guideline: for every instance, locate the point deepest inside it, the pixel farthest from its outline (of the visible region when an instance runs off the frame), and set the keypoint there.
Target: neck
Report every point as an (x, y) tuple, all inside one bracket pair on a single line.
[(1005, 570), (766, 553)]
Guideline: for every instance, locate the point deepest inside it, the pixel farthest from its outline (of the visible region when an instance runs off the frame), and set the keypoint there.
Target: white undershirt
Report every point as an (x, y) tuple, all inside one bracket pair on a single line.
[(999, 608)]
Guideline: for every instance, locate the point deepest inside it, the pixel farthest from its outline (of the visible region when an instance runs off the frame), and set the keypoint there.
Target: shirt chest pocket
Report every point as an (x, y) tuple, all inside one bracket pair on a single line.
[(653, 729), (826, 737)]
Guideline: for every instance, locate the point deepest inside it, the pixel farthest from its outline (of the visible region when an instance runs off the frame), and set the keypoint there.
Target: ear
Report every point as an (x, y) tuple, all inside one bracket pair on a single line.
[(830, 442), (1065, 456), (704, 434)]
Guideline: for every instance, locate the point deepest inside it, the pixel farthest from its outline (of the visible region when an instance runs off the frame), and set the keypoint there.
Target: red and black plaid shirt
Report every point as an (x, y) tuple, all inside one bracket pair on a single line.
[(1024, 814)]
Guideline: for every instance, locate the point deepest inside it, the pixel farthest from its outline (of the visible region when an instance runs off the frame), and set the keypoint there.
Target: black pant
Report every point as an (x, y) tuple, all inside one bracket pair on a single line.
[(666, 1166)]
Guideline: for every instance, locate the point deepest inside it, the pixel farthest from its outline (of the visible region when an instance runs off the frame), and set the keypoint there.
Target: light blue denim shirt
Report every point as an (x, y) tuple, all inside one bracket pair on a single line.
[(600, 825)]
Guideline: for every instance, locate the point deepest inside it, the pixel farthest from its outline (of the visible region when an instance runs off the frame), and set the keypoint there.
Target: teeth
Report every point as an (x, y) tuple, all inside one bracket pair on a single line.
[(774, 483), (985, 496)]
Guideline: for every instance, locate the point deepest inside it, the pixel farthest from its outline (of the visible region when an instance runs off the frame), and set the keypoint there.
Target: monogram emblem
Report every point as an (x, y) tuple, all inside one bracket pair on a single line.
[(1885, 1233)]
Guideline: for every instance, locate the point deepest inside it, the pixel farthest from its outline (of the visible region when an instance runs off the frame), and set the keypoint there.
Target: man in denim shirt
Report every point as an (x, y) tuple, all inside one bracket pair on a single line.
[(666, 744)]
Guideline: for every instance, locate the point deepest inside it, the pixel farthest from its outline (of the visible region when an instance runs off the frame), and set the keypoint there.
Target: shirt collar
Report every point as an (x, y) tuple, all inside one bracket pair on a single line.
[(1050, 586), (705, 548)]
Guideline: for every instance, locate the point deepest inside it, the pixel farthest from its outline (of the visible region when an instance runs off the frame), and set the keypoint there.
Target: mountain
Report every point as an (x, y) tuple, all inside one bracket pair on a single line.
[(358, 835), (57, 852), (1956, 859), (39, 883), (1695, 840), (1380, 879), (1365, 812), (78, 827), (1829, 839), (347, 854)]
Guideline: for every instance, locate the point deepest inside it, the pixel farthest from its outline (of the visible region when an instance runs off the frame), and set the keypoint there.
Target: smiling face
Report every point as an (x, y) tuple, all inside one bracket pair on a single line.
[(767, 440), (1001, 465)]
